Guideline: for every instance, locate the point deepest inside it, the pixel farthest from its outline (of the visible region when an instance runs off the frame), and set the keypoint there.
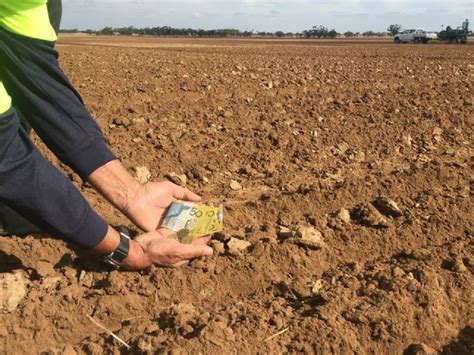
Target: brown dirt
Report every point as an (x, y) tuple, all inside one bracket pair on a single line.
[(305, 130)]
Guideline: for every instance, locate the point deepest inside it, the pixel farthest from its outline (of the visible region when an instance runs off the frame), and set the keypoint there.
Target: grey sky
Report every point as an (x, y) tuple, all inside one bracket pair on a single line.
[(267, 15)]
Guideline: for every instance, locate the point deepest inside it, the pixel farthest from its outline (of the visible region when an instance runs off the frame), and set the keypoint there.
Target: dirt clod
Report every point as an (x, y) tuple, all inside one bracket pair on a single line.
[(235, 185), (369, 216), (398, 272), (93, 349), (236, 245), (178, 316), (308, 237), (387, 207), (217, 246), (459, 265), (143, 174), (51, 283), (44, 268), (316, 287), (178, 179), (12, 290), (419, 349), (344, 215), (69, 350), (285, 232)]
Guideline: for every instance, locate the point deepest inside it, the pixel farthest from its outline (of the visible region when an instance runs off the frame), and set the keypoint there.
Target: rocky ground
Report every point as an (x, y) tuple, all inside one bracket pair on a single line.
[(345, 170)]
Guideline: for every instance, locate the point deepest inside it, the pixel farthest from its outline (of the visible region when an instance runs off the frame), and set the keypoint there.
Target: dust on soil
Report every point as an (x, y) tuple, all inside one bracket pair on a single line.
[(327, 137)]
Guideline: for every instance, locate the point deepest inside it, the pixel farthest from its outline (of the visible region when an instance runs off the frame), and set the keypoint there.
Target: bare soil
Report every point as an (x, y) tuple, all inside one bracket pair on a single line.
[(368, 143)]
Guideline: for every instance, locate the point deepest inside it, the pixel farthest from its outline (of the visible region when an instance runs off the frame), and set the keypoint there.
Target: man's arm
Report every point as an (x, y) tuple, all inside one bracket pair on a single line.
[(143, 204), (55, 12), (38, 191), (34, 188)]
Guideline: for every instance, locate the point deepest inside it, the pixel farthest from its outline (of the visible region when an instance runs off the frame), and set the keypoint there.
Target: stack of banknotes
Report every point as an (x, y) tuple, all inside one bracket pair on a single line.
[(190, 221)]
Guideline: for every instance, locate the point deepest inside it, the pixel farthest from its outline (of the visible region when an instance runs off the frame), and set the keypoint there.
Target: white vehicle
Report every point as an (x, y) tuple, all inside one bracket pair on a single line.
[(416, 35)]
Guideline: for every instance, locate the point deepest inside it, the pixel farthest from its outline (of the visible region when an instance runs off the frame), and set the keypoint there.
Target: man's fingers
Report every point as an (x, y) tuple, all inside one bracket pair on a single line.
[(164, 233), (201, 241), (182, 193), (181, 263), (191, 251)]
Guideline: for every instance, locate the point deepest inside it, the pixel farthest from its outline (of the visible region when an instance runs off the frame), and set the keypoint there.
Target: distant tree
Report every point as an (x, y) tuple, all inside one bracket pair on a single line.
[(126, 31), (106, 31), (369, 34), (279, 34), (349, 34), (393, 29), (72, 30), (320, 31), (332, 34)]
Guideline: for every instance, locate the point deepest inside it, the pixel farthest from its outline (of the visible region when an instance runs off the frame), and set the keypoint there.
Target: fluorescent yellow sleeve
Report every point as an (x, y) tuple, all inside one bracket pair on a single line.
[(5, 100), (27, 18)]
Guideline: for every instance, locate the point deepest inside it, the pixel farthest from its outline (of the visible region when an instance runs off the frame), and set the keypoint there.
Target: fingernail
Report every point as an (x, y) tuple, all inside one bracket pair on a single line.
[(208, 251)]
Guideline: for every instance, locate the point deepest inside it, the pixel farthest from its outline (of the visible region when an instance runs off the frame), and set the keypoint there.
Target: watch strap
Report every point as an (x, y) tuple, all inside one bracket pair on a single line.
[(117, 257)]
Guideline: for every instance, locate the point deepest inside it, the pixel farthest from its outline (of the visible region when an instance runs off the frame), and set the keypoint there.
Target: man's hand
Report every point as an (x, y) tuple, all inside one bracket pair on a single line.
[(144, 204), (169, 252), (155, 248), (147, 207)]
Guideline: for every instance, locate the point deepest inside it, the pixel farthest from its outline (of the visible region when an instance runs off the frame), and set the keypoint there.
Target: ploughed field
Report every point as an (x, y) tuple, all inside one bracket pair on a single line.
[(346, 166)]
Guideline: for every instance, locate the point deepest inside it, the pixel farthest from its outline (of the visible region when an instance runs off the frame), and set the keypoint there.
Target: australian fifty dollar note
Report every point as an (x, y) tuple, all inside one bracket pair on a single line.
[(191, 221)]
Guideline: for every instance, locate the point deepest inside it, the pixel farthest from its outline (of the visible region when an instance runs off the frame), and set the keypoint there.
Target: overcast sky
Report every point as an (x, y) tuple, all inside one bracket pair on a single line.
[(267, 15)]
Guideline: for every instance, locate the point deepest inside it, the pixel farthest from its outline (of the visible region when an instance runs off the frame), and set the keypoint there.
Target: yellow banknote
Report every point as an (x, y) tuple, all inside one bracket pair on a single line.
[(190, 221)]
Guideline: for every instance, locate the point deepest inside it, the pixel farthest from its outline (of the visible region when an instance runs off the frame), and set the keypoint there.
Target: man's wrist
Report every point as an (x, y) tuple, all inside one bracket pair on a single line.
[(109, 244), (136, 259), (116, 184)]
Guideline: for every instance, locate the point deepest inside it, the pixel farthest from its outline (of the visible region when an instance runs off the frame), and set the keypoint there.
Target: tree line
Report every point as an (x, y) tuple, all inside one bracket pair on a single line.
[(319, 32)]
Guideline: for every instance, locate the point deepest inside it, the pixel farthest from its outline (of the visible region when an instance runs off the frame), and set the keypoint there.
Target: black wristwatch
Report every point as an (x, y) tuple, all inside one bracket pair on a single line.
[(117, 257)]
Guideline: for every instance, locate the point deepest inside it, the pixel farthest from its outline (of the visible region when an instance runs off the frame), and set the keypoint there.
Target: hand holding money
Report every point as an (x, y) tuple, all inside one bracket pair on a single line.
[(190, 220), (146, 204), (160, 250)]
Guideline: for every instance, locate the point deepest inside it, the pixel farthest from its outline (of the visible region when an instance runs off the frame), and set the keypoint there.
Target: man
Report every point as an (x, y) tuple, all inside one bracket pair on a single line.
[(35, 92)]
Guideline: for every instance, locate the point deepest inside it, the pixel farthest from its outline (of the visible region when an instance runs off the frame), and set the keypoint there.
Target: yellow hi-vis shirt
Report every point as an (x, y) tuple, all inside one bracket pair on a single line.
[(5, 100), (28, 18)]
